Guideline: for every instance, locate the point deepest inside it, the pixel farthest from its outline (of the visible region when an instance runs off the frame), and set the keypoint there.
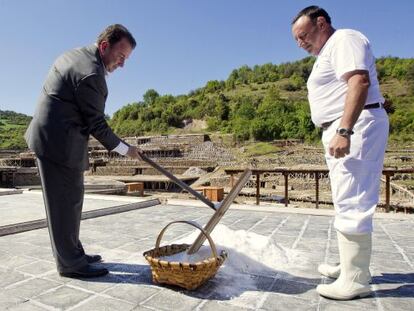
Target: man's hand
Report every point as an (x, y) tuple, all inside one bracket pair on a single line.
[(339, 146), (134, 152)]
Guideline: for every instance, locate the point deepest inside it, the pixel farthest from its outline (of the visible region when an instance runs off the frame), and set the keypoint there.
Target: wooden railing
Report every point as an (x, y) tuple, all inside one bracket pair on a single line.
[(317, 173)]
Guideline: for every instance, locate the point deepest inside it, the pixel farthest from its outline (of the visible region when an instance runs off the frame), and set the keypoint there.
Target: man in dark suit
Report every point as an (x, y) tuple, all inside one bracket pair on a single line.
[(70, 108)]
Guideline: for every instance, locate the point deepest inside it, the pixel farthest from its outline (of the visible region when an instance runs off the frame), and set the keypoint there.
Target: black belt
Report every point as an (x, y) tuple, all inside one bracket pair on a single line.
[(325, 125), (373, 106)]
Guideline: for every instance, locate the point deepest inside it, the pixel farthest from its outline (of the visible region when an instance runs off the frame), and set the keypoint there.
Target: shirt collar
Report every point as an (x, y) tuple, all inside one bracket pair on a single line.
[(103, 65)]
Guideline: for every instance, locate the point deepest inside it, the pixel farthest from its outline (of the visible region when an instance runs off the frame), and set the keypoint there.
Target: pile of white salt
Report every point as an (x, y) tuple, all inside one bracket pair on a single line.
[(250, 257), (247, 251)]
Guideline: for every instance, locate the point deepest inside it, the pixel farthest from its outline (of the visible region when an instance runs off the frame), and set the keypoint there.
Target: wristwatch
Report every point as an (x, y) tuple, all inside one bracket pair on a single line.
[(344, 132)]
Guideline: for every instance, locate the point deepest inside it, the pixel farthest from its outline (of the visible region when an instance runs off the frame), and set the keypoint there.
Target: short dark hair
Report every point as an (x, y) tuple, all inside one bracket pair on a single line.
[(313, 12), (115, 33)]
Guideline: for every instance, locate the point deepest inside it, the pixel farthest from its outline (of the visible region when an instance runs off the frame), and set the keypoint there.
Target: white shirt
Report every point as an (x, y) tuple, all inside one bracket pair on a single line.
[(122, 149), (345, 51)]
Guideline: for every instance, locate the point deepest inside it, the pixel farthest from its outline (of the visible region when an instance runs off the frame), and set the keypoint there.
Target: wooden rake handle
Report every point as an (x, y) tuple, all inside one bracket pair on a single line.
[(221, 210)]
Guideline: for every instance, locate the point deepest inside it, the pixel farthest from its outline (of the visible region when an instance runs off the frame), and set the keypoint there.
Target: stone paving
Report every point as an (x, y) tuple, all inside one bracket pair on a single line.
[(28, 206), (28, 279)]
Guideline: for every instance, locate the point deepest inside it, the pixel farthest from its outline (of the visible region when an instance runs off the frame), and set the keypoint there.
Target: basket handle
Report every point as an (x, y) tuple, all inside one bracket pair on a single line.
[(191, 223)]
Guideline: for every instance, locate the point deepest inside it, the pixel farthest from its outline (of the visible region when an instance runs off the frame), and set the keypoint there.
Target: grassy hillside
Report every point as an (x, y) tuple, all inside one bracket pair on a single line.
[(12, 128), (260, 103), (265, 102)]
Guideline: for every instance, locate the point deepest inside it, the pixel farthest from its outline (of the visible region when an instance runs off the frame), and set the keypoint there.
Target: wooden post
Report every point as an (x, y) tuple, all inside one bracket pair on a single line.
[(387, 192), (257, 188), (317, 188), (286, 175)]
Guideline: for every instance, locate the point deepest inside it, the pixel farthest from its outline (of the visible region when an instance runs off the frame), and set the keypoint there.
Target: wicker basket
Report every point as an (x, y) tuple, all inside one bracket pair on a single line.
[(183, 274)]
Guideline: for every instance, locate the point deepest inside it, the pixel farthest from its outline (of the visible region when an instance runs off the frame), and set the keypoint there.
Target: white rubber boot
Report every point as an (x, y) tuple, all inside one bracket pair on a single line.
[(333, 271), (354, 278), (330, 271)]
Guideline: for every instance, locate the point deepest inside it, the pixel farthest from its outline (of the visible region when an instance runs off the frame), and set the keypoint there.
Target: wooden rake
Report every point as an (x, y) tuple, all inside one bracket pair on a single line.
[(219, 209)]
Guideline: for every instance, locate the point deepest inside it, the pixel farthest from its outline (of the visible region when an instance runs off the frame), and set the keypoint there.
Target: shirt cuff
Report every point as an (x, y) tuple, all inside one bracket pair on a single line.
[(122, 149)]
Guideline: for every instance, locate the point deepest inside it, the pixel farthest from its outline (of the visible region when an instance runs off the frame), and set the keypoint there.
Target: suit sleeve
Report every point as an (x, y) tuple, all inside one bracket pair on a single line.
[(91, 96)]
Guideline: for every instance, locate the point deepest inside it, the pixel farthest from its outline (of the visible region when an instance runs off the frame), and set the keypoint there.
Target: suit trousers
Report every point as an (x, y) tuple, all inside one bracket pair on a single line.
[(355, 179), (63, 192)]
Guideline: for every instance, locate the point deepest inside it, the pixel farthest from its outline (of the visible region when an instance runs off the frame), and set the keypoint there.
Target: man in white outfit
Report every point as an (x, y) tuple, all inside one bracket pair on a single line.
[(345, 100)]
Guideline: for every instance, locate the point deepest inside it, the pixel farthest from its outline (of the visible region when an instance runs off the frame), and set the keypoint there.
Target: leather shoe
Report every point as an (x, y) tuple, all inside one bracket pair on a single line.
[(93, 258), (87, 271)]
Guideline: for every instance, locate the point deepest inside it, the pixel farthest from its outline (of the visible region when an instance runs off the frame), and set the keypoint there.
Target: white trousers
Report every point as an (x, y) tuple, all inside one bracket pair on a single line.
[(355, 179)]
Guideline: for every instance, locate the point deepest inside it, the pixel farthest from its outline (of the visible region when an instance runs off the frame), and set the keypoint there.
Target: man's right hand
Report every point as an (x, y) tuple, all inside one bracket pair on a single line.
[(339, 146), (134, 152)]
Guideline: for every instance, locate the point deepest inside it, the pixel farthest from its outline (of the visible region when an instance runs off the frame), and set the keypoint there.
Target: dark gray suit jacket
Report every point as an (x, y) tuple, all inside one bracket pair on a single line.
[(70, 108)]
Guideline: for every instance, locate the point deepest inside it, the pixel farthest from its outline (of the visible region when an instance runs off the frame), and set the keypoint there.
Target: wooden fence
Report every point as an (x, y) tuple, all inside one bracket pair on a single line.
[(316, 173)]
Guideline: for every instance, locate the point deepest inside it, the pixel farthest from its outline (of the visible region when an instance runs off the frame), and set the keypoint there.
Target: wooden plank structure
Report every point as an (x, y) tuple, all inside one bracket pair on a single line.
[(215, 194), (388, 172), (136, 187), (7, 176)]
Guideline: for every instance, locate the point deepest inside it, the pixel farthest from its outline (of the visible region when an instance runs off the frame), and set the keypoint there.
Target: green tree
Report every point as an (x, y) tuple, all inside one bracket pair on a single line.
[(150, 96), (246, 110)]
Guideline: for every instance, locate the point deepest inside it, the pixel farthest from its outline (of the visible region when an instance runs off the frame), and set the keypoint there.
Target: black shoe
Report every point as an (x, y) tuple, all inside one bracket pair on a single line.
[(87, 271), (93, 258)]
